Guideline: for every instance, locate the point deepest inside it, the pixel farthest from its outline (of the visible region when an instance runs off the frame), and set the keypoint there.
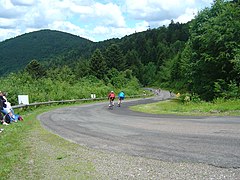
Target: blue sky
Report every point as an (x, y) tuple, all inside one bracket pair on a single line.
[(96, 20)]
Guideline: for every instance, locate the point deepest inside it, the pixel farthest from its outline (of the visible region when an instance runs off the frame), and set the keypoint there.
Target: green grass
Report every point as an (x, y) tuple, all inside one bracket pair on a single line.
[(218, 107), (28, 151)]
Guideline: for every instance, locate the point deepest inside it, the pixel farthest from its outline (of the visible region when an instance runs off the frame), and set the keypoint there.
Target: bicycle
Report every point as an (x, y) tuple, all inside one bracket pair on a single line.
[(111, 104), (120, 102)]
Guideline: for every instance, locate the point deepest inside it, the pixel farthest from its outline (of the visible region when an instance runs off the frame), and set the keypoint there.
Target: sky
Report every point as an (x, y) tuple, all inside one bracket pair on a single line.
[(96, 20)]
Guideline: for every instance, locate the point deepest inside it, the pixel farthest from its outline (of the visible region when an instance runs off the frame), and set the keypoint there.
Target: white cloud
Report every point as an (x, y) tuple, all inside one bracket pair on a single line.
[(110, 13), (189, 14), (155, 10), (93, 19), (7, 23), (84, 10), (108, 33), (142, 26), (68, 27), (100, 30), (8, 33), (113, 32), (102, 14), (8, 10), (158, 12), (6, 4), (22, 2)]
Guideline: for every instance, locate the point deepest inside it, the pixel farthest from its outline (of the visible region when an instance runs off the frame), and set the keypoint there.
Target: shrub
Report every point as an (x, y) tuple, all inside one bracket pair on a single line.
[(187, 97)]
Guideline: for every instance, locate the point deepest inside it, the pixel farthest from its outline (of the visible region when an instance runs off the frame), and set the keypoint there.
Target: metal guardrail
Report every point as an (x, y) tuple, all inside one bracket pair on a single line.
[(69, 101)]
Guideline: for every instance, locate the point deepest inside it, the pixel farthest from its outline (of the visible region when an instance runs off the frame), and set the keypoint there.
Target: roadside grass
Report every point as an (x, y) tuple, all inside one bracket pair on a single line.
[(28, 151), (217, 108)]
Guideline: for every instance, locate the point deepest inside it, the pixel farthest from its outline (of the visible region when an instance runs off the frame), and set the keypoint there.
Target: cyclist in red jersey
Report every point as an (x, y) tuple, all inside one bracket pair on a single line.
[(111, 97)]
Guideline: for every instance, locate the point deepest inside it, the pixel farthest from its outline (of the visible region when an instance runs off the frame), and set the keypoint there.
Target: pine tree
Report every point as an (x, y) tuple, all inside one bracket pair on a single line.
[(98, 66)]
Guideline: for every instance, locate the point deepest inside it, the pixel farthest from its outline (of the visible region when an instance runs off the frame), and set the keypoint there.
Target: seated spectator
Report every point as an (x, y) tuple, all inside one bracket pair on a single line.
[(7, 110), (2, 121)]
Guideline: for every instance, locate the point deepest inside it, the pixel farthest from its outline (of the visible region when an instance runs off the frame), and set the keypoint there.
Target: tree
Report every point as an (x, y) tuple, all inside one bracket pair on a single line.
[(117, 79), (35, 69), (149, 74), (82, 68), (132, 58), (98, 66), (134, 63), (64, 73), (115, 58), (163, 53), (236, 64), (215, 38)]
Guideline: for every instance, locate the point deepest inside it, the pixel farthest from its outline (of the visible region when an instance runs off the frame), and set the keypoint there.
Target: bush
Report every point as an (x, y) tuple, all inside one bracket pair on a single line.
[(226, 90), (187, 97), (49, 89)]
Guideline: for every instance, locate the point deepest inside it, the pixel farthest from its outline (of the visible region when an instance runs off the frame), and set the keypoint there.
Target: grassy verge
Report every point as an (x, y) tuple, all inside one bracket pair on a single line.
[(219, 107), (30, 152)]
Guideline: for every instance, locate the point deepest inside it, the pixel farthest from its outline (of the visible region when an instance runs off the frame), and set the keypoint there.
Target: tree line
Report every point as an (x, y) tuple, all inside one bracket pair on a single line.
[(201, 57)]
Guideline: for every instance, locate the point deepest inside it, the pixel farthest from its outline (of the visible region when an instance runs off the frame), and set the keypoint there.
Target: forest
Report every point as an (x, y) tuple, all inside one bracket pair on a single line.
[(201, 58)]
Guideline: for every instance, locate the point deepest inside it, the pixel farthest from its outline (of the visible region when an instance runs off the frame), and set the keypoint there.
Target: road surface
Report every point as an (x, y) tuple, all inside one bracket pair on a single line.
[(209, 140)]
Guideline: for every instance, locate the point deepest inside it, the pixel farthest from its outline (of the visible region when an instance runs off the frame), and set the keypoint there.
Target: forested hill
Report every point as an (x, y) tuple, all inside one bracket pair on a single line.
[(56, 48), (16, 53)]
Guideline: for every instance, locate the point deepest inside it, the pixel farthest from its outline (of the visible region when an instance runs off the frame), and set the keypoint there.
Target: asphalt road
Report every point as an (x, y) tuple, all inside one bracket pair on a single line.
[(209, 140)]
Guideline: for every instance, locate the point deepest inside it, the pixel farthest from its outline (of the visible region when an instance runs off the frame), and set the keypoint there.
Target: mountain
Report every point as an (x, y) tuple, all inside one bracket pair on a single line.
[(56, 48), (16, 53)]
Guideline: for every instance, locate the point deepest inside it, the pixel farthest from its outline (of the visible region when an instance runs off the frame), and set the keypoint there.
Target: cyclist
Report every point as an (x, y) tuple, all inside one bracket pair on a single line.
[(121, 97), (111, 97)]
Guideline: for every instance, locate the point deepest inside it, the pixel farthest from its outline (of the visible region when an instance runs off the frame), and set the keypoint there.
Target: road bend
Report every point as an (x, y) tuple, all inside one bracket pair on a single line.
[(209, 140)]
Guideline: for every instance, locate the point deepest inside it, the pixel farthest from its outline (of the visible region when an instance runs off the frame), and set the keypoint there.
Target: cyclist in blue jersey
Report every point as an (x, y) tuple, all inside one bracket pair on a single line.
[(121, 97)]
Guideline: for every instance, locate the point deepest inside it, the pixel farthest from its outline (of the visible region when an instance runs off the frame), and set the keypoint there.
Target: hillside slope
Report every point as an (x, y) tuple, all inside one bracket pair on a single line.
[(17, 52)]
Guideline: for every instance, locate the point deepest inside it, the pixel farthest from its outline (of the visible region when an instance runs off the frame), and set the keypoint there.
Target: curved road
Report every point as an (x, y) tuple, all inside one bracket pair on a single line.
[(209, 140)]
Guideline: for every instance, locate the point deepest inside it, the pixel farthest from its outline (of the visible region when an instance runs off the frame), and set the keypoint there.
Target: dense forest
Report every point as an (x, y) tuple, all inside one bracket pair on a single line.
[(201, 57)]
